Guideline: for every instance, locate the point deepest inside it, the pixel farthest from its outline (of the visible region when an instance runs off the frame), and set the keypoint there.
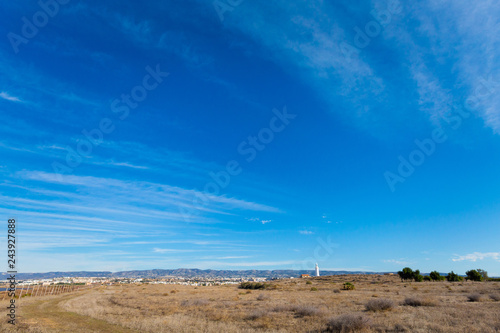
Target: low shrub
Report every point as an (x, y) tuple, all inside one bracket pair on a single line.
[(348, 286), (414, 301), (337, 291), (306, 310), (348, 323), (495, 297), (283, 308), (256, 314), (263, 297), (314, 289), (474, 298), (253, 285), (380, 304), (299, 310), (194, 302), (309, 282)]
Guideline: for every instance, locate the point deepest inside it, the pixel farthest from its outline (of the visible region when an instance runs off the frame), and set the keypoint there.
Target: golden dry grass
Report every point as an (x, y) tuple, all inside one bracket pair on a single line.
[(289, 306)]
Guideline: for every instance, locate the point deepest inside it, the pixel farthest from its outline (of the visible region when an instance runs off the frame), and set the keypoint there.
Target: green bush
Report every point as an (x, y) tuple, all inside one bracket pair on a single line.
[(483, 273), (309, 282), (348, 286), (427, 278), (452, 277), (406, 274), (435, 276), (474, 275), (314, 289), (253, 285), (417, 276)]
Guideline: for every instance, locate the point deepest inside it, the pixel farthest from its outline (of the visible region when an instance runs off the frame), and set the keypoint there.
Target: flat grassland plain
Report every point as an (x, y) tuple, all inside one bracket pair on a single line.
[(377, 304)]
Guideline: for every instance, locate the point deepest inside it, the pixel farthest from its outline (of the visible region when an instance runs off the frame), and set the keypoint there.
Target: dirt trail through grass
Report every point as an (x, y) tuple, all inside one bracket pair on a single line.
[(47, 315)]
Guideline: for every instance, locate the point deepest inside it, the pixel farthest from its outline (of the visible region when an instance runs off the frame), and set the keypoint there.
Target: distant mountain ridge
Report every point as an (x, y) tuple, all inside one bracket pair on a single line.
[(181, 272)]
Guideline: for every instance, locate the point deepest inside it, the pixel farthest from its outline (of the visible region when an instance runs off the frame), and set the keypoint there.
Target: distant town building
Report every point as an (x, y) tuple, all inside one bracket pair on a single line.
[(317, 269), (304, 275)]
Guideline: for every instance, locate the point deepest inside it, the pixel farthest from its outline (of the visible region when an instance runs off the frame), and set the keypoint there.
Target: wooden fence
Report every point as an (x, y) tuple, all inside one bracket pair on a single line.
[(39, 290)]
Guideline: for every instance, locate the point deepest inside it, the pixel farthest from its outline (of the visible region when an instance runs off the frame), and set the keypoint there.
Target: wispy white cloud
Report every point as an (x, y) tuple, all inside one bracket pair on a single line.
[(153, 193), (396, 261), (478, 256), (256, 219), (307, 40), (450, 35), (158, 250), (306, 232), (9, 97)]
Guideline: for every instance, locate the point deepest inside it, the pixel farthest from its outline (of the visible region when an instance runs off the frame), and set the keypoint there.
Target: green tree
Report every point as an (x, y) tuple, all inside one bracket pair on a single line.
[(417, 276), (406, 274), (484, 274), (452, 277), (435, 276), (474, 275)]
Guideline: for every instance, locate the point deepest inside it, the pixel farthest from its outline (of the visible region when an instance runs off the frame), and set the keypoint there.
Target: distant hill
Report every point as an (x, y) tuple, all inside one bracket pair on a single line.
[(181, 272)]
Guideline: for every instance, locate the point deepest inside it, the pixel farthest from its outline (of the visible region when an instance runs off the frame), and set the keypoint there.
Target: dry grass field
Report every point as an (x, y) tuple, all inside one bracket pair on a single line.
[(377, 304)]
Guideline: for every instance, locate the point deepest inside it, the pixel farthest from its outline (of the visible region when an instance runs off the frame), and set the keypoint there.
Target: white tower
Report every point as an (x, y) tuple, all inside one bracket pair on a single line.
[(317, 270)]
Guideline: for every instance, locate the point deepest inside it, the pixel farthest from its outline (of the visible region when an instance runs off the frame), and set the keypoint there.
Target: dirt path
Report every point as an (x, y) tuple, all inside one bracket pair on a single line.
[(48, 316)]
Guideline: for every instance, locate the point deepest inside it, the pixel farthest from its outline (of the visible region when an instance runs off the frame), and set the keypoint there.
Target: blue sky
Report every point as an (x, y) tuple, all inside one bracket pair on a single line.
[(249, 135)]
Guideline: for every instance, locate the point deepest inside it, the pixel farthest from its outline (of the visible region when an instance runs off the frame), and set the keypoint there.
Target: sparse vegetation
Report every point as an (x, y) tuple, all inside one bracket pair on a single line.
[(309, 282), (284, 306)]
